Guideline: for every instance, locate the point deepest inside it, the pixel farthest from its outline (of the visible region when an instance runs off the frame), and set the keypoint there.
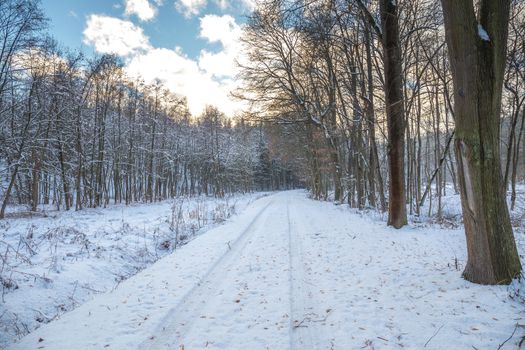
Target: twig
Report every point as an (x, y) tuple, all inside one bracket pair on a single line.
[(49, 318), (35, 276), (509, 338), (429, 339), (299, 324), (353, 237), (93, 289), (310, 319)]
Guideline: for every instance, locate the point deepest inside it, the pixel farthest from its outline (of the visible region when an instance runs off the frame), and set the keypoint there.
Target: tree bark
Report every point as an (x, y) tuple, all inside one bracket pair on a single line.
[(395, 112), (477, 54)]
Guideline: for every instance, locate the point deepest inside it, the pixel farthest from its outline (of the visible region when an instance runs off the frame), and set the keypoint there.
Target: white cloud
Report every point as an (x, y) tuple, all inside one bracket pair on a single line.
[(113, 35), (207, 80), (225, 30), (223, 4), (221, 29), (142, 8), (219, 64), (190, 7), (182, 76), (194, 7)]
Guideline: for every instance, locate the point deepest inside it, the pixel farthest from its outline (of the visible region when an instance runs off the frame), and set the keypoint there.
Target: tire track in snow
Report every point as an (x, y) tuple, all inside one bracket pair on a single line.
[(179, 320), (304, 333), (291, 291)]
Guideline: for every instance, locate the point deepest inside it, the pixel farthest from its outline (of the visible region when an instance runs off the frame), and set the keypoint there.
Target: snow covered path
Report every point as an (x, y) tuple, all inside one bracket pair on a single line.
[(292, 273)]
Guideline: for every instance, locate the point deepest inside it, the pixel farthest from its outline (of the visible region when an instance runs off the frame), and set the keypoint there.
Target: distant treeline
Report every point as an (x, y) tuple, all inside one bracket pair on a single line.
[(76, 132)]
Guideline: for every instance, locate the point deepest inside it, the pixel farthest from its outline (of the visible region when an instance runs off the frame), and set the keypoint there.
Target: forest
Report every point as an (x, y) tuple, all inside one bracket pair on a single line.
[(319, 71), (380, 106), (396, 100), (76, 132), (328, 108)]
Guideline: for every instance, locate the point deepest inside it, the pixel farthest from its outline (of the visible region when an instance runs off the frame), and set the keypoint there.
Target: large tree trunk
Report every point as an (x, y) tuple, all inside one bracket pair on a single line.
[(395, 112), (477, 53)]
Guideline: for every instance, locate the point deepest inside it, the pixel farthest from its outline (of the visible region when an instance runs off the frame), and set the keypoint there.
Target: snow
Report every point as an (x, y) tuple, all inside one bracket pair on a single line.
[(483, 33), (293, 273), (50, 265)]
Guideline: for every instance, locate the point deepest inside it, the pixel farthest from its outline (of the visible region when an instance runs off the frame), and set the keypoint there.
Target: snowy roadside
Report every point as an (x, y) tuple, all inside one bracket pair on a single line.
[(404, 287), (450, 215), (51, 265), (292, 273)]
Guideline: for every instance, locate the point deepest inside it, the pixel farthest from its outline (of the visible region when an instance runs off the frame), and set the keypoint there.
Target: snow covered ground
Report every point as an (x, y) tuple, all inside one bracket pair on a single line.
[(451, 214), (292, 273), (50, 265)]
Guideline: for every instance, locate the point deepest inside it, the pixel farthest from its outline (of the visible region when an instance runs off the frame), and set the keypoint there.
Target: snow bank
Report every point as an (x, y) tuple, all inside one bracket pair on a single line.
[(51, 265)]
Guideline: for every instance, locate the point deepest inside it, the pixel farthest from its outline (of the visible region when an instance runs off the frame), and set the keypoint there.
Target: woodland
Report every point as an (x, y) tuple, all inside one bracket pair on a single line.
[(380, 105), (369, 194)]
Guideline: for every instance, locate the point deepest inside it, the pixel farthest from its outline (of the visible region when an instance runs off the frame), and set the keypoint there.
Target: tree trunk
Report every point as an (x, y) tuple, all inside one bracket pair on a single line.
[(477, 55), (516, 157), (395, 112), (35, 179)]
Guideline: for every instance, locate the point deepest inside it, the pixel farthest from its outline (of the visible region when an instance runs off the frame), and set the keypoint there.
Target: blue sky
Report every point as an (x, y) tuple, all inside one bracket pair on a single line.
[(190, 44)]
